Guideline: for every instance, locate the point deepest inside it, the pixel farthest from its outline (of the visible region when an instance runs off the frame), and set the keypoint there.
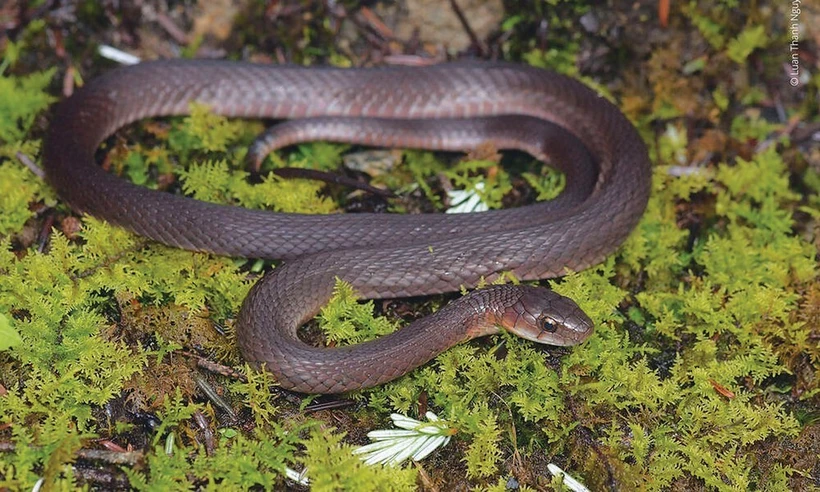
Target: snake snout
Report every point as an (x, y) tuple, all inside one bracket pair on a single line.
[(542, 316)]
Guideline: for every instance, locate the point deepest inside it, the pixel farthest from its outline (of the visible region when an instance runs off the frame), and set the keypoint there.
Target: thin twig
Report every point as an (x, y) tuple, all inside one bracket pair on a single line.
[(29, 163), (328, 405), (212, 395), (376, 24), (477, 44), (130, 458), (215, 367), (204, 425)]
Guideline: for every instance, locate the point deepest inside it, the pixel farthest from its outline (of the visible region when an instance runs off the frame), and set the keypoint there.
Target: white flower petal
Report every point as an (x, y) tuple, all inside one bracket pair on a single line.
[(384, 456), (404, 422), (298, 477), (373, 447), (118, 56), (431, 446), (570, 482), (466, 201), (408, 449), (391, 434)]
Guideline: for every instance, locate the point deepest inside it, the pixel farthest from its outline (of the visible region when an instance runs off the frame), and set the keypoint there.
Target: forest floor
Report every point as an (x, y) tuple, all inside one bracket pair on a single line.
[(117, 364)]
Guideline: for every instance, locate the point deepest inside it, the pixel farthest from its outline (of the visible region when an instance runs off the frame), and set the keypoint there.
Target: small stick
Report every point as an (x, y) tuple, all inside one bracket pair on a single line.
[(477, 44)]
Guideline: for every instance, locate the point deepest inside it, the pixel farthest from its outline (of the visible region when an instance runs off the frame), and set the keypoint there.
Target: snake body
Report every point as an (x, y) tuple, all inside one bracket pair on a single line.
[(450, 106)]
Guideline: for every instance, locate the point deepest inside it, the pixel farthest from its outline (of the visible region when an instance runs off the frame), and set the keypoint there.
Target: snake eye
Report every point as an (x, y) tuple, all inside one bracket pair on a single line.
[(547, 325)]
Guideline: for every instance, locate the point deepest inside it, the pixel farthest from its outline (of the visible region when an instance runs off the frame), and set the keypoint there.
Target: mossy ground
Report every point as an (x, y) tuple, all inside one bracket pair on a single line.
[(703, 372)]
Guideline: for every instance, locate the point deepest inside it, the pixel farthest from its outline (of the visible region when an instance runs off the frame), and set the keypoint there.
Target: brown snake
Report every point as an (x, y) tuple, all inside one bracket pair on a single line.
[(449, 107)]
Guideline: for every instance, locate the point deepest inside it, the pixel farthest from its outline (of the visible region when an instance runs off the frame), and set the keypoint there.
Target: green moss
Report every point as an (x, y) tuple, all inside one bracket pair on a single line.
[(18, 188), (548, 184), (215, 182), (65, 367), (240, 462), (204, 130), (728, 317), (704, 356), (491, 186), (561, 61), (332, 466), (21, 99), (746, 42), (345, 320)]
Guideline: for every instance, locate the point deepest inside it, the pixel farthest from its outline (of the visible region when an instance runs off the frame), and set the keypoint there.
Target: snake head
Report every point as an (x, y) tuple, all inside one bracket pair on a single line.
[(542, 316)]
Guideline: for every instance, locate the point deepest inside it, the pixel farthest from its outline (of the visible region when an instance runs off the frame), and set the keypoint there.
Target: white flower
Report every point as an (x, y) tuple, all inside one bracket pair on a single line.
[(415, 441), (466, 201)]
